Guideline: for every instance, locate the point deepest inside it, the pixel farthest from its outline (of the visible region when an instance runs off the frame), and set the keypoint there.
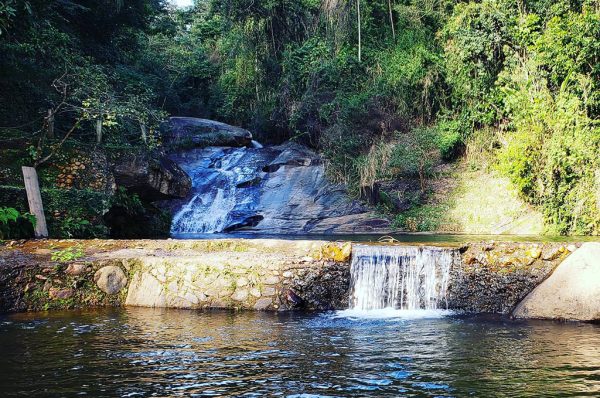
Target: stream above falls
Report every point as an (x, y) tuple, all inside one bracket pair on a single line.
[(440, 239)]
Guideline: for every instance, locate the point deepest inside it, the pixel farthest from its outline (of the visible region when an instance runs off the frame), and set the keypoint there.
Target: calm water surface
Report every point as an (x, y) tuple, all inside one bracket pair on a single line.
[(144, 352)]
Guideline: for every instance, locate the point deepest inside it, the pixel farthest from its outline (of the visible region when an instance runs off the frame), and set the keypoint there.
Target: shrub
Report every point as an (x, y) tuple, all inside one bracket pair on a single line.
[(450, 139), (416, 153), (69, 213), (14, 225), (551, 154)]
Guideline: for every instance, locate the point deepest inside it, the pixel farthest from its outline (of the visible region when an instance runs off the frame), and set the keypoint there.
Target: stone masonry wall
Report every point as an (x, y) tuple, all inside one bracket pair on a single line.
[(493, 277), (232, 274)]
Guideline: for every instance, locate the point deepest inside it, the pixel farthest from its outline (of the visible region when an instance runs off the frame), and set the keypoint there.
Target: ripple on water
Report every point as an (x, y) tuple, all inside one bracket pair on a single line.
[(174, 353)]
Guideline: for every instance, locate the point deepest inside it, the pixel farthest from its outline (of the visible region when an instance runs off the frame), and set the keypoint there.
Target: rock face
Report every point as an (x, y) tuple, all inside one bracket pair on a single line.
[(189, 131), (110, 279), (153, 176), (572, 292), (273, 190)]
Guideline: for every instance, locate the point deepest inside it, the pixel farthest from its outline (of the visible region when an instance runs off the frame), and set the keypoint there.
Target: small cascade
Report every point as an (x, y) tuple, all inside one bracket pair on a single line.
[(401, 277)]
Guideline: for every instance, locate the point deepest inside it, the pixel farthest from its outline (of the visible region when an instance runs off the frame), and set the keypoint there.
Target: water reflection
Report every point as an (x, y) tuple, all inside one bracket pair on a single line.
[(143, 352)]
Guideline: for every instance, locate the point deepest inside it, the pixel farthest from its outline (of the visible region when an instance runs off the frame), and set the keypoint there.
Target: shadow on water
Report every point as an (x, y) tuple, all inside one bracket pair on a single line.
[(145, 352)]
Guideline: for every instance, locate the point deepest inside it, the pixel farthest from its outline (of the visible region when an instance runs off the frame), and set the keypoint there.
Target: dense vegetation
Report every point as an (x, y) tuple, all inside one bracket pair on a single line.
[(384, 88)]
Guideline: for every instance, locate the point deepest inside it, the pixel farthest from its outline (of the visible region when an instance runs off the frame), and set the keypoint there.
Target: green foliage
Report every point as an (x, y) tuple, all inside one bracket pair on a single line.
[(552, 154), (83, 71), (511, 84), (69, 254), (75, 227), (14, 225), (416, 153), (8, 12), (420, 218), (529, 79), (69, 213), (449, 139), (476, 38), (130, 203)]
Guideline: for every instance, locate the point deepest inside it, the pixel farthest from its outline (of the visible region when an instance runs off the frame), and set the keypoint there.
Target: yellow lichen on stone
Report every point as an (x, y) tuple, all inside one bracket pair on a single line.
[(339, 252), (533, 252)]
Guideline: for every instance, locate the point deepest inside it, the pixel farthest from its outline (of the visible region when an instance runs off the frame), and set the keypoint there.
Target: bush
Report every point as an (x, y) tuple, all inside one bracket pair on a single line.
[(450, 139), (551, 154), (69, 213), (420, 218), (14, 225), (416, 153)]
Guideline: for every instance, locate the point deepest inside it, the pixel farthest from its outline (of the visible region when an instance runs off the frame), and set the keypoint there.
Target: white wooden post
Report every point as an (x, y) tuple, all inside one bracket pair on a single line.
[(34, 197)]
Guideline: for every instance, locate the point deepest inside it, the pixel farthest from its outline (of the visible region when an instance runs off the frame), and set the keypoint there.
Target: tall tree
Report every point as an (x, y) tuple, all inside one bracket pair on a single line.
[(359, 31)]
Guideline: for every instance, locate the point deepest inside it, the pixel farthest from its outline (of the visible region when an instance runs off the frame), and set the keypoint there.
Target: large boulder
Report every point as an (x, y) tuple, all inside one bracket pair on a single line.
[(572, 292), (193, 132), (153, 176)]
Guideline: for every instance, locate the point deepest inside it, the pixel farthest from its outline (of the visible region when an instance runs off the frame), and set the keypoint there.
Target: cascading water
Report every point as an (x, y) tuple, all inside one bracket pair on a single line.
[(219, 194), (400, 277), (270, 190)]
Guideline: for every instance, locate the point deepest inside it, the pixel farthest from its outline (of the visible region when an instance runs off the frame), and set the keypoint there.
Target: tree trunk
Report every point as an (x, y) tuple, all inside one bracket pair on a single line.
[(144, 134), (50, 124), (359, 32), (392, 19), (99, 130)]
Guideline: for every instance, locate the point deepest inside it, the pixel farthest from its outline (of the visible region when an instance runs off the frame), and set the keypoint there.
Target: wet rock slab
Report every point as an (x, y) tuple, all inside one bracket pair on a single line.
[(273, 190)]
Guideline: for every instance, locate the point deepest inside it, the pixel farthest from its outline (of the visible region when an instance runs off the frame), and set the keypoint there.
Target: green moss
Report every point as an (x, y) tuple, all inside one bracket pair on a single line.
[(68, 254)]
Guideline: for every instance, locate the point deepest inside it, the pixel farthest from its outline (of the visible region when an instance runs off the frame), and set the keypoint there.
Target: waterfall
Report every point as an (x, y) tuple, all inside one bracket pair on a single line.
[(279, 189), (219, 197), (401, 277)]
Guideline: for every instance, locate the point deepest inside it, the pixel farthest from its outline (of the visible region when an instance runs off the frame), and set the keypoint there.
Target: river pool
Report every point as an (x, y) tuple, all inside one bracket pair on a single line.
[(144, 352)]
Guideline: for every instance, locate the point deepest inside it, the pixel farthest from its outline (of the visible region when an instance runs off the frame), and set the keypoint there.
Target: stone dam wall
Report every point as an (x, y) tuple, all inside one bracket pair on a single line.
[(491, 277)]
